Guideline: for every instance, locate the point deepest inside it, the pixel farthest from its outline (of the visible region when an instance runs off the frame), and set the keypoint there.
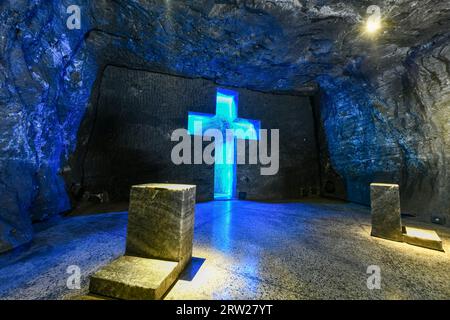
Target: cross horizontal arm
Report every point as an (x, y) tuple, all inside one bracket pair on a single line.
[(206, 120), (246, 129)]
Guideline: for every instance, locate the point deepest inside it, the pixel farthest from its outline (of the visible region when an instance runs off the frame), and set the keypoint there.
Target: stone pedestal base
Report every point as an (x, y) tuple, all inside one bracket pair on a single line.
[(133, 278), (422, 238)]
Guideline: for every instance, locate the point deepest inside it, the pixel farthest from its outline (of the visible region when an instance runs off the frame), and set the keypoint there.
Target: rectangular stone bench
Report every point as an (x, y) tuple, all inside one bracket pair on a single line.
[(159, 243)]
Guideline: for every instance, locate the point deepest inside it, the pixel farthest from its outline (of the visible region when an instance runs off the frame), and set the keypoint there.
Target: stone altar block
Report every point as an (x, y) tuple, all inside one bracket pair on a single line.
[(386, 218), (161, 222), (159, 244)]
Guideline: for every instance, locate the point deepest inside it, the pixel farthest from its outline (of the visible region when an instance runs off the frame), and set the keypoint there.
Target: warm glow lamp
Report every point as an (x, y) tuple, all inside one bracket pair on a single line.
[(373, 25)]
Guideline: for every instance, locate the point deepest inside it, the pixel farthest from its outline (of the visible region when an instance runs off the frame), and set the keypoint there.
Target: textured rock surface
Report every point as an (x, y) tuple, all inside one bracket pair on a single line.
[(161, 222), (386, 218), (384, 100)]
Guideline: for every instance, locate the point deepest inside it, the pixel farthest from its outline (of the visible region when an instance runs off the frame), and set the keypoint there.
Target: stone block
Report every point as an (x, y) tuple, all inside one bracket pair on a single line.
[(161, 222), (134, 278), (386, 217), (422, 238)]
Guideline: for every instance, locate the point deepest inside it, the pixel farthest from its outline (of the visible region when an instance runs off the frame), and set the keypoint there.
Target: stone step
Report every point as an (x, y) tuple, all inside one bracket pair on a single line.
[(422, 238), (134, 278)]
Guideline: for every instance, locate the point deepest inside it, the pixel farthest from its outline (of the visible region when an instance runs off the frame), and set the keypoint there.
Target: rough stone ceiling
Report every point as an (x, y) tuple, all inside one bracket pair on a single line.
[(265, 45), (272, 45)]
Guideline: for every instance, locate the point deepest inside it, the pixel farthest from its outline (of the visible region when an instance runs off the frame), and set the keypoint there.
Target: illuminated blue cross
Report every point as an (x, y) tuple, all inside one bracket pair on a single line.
[(225, 118)]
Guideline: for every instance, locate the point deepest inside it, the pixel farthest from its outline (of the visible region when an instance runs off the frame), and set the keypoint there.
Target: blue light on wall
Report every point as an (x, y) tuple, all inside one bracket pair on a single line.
[(226, 118)]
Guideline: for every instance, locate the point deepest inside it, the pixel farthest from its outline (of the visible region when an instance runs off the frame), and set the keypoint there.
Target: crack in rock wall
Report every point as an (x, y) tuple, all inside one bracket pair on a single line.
[(385, 100)]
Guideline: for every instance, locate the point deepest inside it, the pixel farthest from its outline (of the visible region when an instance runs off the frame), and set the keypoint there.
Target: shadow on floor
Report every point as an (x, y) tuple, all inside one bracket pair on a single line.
[(192, 269)]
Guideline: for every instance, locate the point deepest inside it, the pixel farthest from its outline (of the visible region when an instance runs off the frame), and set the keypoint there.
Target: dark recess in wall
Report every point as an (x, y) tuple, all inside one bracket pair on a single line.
[(124, 138)]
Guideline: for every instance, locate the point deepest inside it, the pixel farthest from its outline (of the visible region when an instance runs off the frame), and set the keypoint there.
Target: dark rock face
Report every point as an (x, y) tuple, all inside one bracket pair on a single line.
[(385, 100), (393, 129)]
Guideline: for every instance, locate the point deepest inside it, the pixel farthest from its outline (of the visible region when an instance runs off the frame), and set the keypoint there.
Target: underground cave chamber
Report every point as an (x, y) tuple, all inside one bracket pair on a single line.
[(89, 108)]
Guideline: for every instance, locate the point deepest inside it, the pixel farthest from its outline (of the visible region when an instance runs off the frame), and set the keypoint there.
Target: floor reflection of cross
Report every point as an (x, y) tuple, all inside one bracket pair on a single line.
[(225, 118)]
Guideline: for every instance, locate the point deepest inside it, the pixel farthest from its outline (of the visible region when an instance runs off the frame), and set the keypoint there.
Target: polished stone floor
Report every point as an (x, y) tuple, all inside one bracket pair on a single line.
[(313, 249)]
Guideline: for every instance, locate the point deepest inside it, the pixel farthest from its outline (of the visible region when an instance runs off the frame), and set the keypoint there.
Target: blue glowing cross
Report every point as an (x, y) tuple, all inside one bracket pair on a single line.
[(225, 118)]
